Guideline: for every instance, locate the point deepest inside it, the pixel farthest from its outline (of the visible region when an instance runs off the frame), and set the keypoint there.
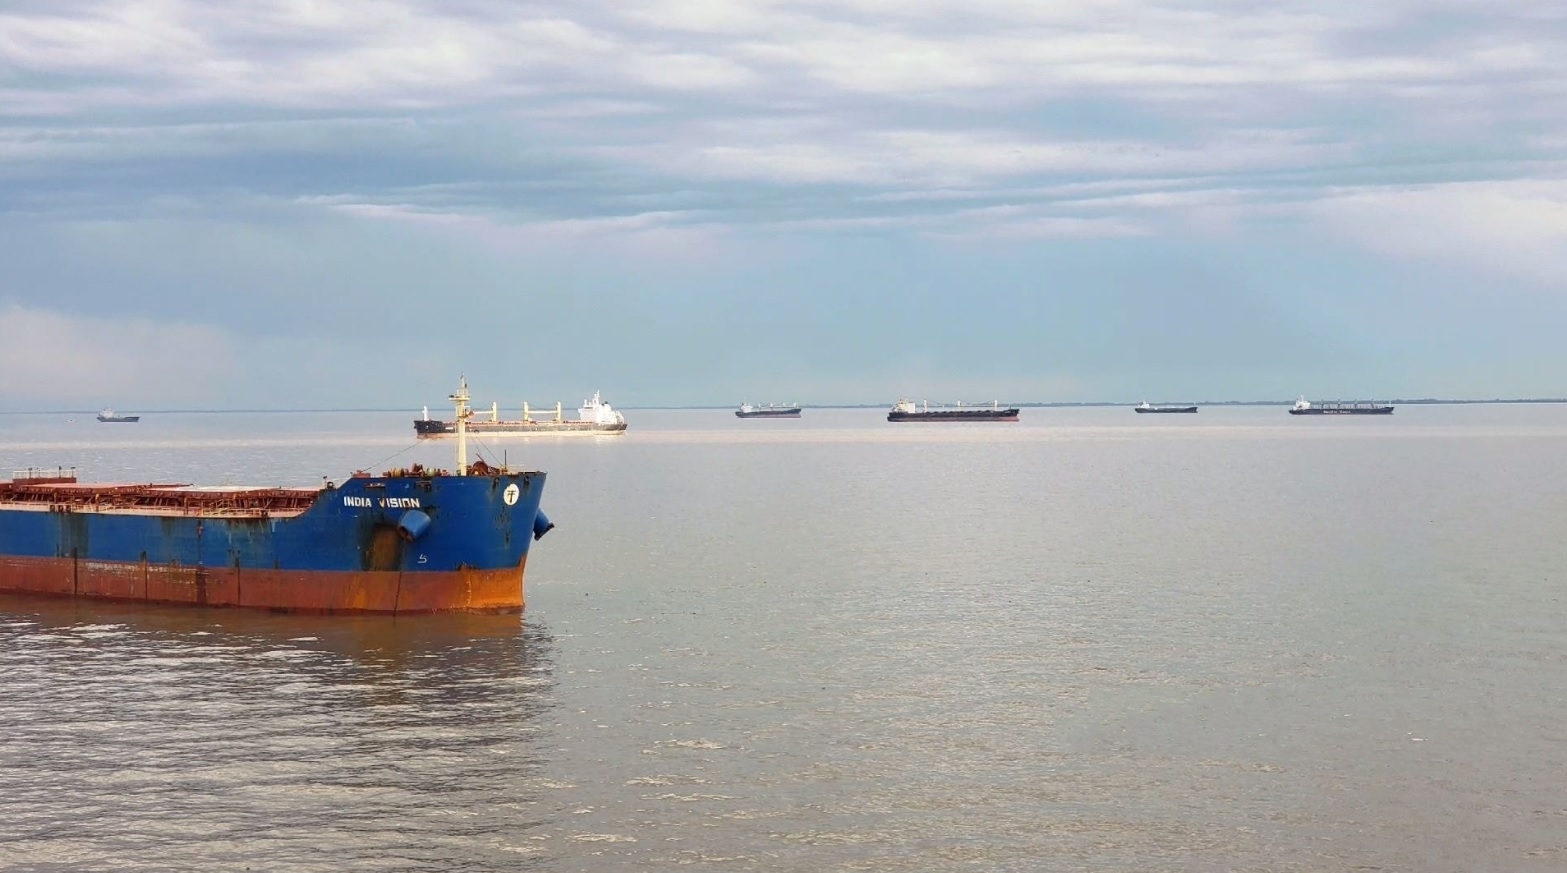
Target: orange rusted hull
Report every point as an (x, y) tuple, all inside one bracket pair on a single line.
[(390, 592)]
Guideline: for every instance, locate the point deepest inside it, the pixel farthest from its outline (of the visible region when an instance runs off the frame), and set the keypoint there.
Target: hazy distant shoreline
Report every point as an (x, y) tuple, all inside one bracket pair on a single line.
[(1424, 401)]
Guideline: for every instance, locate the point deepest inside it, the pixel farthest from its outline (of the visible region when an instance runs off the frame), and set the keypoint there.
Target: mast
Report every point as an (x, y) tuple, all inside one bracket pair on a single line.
[(461, 400)]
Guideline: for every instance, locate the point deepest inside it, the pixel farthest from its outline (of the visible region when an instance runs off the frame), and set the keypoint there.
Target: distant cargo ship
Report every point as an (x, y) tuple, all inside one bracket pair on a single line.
[(908, 410), (595, 416), (1146, 407), (112, 416), (1335, 407), (746, 410), (406, 541)]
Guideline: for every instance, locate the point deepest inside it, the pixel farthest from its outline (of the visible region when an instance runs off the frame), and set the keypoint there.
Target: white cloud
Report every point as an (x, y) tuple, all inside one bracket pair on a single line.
[(999, 224), (350, 55), (358, 53), (815, 151), (783, 113), (1514, 229), (662, 235), (56, 359)]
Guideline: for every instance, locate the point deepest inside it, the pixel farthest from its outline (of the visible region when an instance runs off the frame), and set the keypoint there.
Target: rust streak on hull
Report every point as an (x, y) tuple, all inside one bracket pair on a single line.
[(389, 592)]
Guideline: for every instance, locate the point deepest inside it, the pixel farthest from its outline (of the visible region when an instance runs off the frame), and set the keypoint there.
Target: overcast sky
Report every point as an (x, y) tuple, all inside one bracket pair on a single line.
[(307, 204)]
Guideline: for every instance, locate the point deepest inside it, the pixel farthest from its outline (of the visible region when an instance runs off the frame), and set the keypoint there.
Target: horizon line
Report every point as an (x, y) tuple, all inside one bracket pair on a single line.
[(1035, 404)]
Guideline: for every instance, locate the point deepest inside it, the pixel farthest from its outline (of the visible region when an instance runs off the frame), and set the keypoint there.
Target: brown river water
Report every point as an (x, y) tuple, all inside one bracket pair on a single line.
[(1091, 640)]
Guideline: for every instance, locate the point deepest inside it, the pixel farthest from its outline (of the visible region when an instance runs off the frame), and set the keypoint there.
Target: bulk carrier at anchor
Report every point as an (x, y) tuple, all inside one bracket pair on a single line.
[(406, 541), (908, 410), (1339, 407), (771, 410), (594, 417)]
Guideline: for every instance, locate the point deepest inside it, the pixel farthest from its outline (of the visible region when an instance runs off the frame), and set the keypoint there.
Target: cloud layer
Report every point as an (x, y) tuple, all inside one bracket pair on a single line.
[(51, 360), (684, 145)]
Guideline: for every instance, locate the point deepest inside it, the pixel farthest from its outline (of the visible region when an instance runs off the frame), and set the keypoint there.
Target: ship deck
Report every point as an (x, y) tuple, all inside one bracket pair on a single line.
[(154, 498)]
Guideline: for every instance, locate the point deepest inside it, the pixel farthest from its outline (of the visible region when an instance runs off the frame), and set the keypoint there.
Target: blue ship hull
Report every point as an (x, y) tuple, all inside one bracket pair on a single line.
[(395, 543)]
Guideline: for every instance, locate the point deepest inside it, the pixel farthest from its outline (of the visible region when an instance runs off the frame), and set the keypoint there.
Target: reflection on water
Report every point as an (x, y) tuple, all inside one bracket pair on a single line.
[(159, 738)]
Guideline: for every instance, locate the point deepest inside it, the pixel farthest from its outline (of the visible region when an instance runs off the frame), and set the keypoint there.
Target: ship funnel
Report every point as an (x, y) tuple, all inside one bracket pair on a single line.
[(542, 525)]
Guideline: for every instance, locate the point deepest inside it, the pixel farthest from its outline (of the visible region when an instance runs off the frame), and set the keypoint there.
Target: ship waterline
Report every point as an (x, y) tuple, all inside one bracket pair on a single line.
[(383, 592)]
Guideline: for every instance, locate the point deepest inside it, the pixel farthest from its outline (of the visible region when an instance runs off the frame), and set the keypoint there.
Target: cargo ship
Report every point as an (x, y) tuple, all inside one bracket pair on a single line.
[(594, 416), (110, 415), (1146, 407), (1335, 407), (908, 410), (410, 540), (746, 410)]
